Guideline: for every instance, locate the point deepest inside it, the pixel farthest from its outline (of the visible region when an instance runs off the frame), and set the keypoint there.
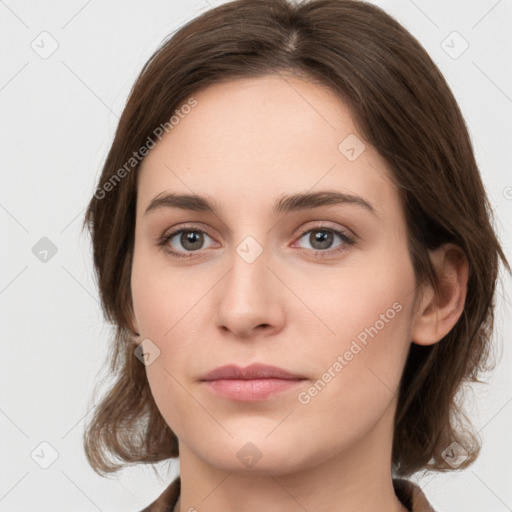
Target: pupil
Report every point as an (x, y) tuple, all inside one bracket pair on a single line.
[(189, 238), (322, 238)]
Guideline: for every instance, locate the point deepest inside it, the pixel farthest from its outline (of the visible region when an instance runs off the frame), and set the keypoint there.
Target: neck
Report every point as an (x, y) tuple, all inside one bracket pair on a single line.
[(356, 478)]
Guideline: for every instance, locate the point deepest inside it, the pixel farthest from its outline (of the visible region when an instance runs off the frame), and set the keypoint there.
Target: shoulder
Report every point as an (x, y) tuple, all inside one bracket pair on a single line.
[(167, 500), (411, 496)]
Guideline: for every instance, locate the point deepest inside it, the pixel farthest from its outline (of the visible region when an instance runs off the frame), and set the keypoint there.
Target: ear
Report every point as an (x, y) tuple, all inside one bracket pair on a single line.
[(436, 315), (134, 326)]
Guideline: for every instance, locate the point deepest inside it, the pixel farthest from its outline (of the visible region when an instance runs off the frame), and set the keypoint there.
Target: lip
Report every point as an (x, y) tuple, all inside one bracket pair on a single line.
[(253, 371), (254, 383)]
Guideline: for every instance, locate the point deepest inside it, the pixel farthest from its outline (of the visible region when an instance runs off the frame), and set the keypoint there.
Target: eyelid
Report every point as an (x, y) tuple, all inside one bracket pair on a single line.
[(327, 225), (193, 226)]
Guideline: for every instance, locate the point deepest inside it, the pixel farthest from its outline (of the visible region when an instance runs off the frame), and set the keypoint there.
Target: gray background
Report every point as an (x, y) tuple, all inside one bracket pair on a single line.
[(58, 116)]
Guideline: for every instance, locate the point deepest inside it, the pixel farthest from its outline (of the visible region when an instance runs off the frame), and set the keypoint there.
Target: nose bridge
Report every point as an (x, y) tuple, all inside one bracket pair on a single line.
[(248, 297)]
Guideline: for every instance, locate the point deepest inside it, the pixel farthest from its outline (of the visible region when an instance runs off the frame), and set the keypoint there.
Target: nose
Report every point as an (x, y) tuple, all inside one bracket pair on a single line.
[(249, 299)]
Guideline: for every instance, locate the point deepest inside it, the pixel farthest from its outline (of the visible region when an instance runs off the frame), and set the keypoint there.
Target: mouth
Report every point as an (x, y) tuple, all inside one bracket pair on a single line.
[(253, 383)]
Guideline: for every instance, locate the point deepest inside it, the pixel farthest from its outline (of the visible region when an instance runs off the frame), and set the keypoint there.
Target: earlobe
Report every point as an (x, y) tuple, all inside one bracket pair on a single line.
[(437, 314)]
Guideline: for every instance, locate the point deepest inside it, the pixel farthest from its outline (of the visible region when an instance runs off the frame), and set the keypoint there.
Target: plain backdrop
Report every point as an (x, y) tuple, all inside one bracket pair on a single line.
[(66, 70)]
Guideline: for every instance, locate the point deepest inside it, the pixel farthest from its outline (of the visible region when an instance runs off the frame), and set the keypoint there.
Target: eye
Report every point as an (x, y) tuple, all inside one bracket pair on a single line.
[(183, 241), (321, 238)]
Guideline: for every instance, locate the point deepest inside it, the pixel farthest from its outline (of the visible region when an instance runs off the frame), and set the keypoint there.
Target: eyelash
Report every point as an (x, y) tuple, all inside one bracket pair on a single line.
[(347, 241)]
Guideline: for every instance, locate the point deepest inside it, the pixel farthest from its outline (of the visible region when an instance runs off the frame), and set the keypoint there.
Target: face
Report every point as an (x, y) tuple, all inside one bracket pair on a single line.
[(322, 287)]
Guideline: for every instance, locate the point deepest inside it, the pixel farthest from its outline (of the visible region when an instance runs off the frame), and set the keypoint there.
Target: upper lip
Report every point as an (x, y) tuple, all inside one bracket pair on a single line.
[(253, 371)]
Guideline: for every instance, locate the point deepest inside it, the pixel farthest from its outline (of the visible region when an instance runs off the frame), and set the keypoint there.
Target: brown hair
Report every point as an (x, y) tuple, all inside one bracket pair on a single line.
[(402, 106)]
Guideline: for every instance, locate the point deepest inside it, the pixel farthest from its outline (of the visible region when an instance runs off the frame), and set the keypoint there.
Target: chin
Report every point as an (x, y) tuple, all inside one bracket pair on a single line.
[(251, 454)]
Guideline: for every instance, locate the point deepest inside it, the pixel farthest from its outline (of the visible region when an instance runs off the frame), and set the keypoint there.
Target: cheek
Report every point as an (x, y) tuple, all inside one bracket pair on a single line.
[(360, 366), (172, 394), (169, 309), (370, 298), (165, 297)]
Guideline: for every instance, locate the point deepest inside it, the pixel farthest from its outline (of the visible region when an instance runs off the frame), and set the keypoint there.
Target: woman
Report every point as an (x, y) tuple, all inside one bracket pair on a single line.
[(293, 241)]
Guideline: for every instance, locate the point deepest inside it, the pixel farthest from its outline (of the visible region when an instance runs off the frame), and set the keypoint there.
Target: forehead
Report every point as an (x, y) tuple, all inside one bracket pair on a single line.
[(248, 141)]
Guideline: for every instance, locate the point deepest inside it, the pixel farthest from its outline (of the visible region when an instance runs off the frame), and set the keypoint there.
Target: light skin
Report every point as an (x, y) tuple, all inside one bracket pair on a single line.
[(245, 145)]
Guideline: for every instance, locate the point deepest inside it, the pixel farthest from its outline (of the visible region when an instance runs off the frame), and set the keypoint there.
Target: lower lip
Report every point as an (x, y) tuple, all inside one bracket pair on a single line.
[(250, 390)]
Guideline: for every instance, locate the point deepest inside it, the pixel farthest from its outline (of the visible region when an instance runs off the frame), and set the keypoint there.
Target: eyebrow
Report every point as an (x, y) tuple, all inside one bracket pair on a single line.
[(284, 204)]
